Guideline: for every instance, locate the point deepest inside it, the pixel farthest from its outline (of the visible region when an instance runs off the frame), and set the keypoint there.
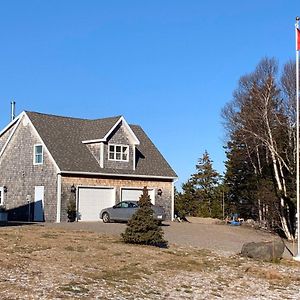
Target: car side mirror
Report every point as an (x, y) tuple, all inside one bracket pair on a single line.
[(114, 206)]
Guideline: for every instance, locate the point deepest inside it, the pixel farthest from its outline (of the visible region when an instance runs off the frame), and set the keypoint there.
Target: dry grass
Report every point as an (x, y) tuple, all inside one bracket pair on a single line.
[(46, 263)]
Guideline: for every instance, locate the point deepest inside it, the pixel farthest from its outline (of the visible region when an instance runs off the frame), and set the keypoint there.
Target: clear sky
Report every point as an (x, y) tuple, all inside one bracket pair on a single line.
[(169, 66)]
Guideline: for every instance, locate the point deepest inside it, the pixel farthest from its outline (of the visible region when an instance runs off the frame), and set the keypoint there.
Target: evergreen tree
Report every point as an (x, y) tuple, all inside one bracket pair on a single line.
[(142, 228), (201, 194), (206, 181)]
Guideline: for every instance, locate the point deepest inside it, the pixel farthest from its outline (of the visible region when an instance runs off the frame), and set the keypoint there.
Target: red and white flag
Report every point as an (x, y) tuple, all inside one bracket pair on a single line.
[(298, 40)]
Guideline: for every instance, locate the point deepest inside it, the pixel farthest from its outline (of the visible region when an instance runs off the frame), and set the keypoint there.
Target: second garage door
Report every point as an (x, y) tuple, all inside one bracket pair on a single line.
[(92, 200), (135, 194)]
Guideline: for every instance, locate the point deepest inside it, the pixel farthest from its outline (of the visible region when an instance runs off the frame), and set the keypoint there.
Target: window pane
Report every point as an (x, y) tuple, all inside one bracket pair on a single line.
[(38, 159), (125, 153), (111, 148), (38, 149), (118, 149), (111, 155), (118, 156), (38, 155)]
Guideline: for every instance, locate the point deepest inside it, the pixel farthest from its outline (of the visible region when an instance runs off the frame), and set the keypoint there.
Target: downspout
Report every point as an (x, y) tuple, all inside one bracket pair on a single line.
[(173, 196), (58, 205)]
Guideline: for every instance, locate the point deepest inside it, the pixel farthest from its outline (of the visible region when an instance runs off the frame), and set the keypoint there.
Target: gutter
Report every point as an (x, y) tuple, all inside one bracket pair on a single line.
[(119, 175)]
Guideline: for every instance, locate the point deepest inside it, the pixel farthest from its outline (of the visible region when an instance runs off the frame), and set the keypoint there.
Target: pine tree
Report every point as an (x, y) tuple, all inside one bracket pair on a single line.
[(206, 181), (142, 228)]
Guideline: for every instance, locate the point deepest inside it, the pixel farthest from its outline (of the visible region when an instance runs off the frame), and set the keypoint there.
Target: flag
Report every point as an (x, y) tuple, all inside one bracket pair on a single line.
[(298, 40)]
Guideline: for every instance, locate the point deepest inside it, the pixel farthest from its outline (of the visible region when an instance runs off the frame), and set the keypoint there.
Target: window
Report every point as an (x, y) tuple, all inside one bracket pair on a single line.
[(38, 154), (118, 152)]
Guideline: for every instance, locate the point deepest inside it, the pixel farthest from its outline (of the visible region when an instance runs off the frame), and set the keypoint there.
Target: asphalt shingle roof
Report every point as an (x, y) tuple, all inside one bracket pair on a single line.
[(63, 138)]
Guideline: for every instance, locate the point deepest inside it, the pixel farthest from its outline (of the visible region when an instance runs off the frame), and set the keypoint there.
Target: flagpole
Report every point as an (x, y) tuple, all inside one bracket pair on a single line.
[(297, 257)]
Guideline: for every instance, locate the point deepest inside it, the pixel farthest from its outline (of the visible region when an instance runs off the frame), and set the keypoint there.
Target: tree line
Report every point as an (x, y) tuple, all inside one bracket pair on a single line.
[(259, 180)]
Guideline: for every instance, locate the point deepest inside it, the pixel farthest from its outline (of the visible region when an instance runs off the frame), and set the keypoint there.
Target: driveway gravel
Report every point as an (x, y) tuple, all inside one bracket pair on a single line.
[(225, 239)]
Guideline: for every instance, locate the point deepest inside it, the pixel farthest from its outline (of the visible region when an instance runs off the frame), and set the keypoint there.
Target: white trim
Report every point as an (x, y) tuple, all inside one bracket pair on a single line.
[(18, 119), (93, 141), (2, 195), (118, 175), (101, 155), (173, 199), (44, 145), (10, 124), (58, 205), (115, 152), (135, 140), (133, 157), (35, 154)]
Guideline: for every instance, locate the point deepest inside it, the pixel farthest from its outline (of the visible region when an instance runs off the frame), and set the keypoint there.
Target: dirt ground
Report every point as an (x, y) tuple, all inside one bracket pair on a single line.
[(51, 262)]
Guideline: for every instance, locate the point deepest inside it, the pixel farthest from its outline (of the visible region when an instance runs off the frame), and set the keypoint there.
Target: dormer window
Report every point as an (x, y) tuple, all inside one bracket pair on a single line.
[(118, 152), (38, 155)]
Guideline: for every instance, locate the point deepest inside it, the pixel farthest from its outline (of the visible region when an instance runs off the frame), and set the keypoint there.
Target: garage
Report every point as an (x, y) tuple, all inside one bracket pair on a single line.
[(91, 200), (135, 194)]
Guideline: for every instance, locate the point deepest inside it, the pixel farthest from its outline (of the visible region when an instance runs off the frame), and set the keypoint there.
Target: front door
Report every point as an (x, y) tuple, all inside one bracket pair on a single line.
[(38, 204)]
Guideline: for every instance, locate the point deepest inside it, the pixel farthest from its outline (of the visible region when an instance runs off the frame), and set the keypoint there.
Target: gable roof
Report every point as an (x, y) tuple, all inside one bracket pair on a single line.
[(63, 137)]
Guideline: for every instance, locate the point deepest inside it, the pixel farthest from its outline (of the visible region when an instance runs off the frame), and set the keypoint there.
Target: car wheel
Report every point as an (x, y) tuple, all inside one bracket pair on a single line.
[(105, 218)]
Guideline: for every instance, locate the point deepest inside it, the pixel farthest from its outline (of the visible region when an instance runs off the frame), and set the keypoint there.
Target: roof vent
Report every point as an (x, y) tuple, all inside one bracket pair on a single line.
[(13, 108)]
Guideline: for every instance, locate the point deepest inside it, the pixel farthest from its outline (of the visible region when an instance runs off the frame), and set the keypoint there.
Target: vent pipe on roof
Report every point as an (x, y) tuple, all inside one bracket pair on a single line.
[(13, 108)]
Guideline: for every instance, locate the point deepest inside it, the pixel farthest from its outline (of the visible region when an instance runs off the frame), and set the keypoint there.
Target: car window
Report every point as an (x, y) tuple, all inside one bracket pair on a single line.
[(131, 204), (124, 204)]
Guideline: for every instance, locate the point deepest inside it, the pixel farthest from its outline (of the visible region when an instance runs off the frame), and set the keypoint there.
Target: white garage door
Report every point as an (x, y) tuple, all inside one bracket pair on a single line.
[(135, 194), (92, 200)]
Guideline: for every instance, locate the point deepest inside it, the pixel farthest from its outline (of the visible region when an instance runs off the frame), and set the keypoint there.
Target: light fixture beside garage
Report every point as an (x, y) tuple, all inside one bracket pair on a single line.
[(73, 188), (5, 189), (159, 192)]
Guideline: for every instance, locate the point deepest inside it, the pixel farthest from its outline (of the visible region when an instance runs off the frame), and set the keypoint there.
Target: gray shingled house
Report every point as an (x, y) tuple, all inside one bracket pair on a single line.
[(47, 160)]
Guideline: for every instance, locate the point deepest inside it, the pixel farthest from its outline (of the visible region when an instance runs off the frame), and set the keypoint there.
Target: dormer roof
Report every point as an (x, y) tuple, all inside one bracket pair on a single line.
[(65, 139)]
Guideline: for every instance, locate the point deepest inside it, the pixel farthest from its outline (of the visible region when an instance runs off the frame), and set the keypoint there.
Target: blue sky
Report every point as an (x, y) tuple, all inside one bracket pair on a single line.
[(169, 66)]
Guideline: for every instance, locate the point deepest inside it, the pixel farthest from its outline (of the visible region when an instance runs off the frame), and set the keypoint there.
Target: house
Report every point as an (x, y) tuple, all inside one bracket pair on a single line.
[(46, 161)]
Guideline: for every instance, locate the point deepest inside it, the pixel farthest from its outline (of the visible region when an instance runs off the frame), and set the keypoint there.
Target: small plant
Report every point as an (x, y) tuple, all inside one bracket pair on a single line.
[(71, 210), (142, 228), (2, 208)]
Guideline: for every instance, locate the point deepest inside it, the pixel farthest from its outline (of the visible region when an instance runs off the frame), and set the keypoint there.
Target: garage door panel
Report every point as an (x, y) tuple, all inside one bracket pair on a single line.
[(135, 194), (92, 200)]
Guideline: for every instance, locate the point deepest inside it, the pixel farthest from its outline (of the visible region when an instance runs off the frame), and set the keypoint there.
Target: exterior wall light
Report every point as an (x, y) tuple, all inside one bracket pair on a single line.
[(159, 192), (5, 189), (73, 188)]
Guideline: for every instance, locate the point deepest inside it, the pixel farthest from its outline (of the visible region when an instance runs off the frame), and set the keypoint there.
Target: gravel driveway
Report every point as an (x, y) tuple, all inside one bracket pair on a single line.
[(220, 238)]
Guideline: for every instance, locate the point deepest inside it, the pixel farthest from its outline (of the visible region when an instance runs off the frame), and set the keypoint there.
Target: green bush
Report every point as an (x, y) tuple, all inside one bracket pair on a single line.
[(71, 210), (142, 228)]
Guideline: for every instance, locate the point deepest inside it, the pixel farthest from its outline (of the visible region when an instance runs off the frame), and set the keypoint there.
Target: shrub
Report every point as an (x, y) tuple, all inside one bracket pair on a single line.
[(142, 228), (71, 210)]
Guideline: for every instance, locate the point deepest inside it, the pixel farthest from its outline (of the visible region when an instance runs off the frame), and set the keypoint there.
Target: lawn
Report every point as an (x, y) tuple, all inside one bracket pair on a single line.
[(40, 262)]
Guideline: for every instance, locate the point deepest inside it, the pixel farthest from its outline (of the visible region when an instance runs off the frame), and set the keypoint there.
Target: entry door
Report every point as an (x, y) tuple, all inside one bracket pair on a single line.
[(38, 204)]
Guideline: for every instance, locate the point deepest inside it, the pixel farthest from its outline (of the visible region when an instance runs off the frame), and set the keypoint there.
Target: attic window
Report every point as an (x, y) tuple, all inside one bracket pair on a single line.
[(118, 152), (38, 155)]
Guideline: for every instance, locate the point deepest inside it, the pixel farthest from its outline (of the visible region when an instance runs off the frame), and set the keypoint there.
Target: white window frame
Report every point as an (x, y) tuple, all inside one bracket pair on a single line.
[(118, 145), (1, 195), (35, 154)]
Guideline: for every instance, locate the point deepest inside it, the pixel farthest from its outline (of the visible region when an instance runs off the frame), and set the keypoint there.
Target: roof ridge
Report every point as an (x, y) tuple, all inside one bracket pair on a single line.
[(75, 118)]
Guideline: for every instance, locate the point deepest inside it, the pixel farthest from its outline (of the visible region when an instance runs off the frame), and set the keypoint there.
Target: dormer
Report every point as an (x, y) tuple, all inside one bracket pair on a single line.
[(117, 149)]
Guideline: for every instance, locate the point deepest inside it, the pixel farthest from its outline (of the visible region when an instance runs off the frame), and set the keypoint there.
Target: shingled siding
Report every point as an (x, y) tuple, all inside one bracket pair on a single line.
[(95, 150), (164, 200), (20, 176), (118, 136)]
